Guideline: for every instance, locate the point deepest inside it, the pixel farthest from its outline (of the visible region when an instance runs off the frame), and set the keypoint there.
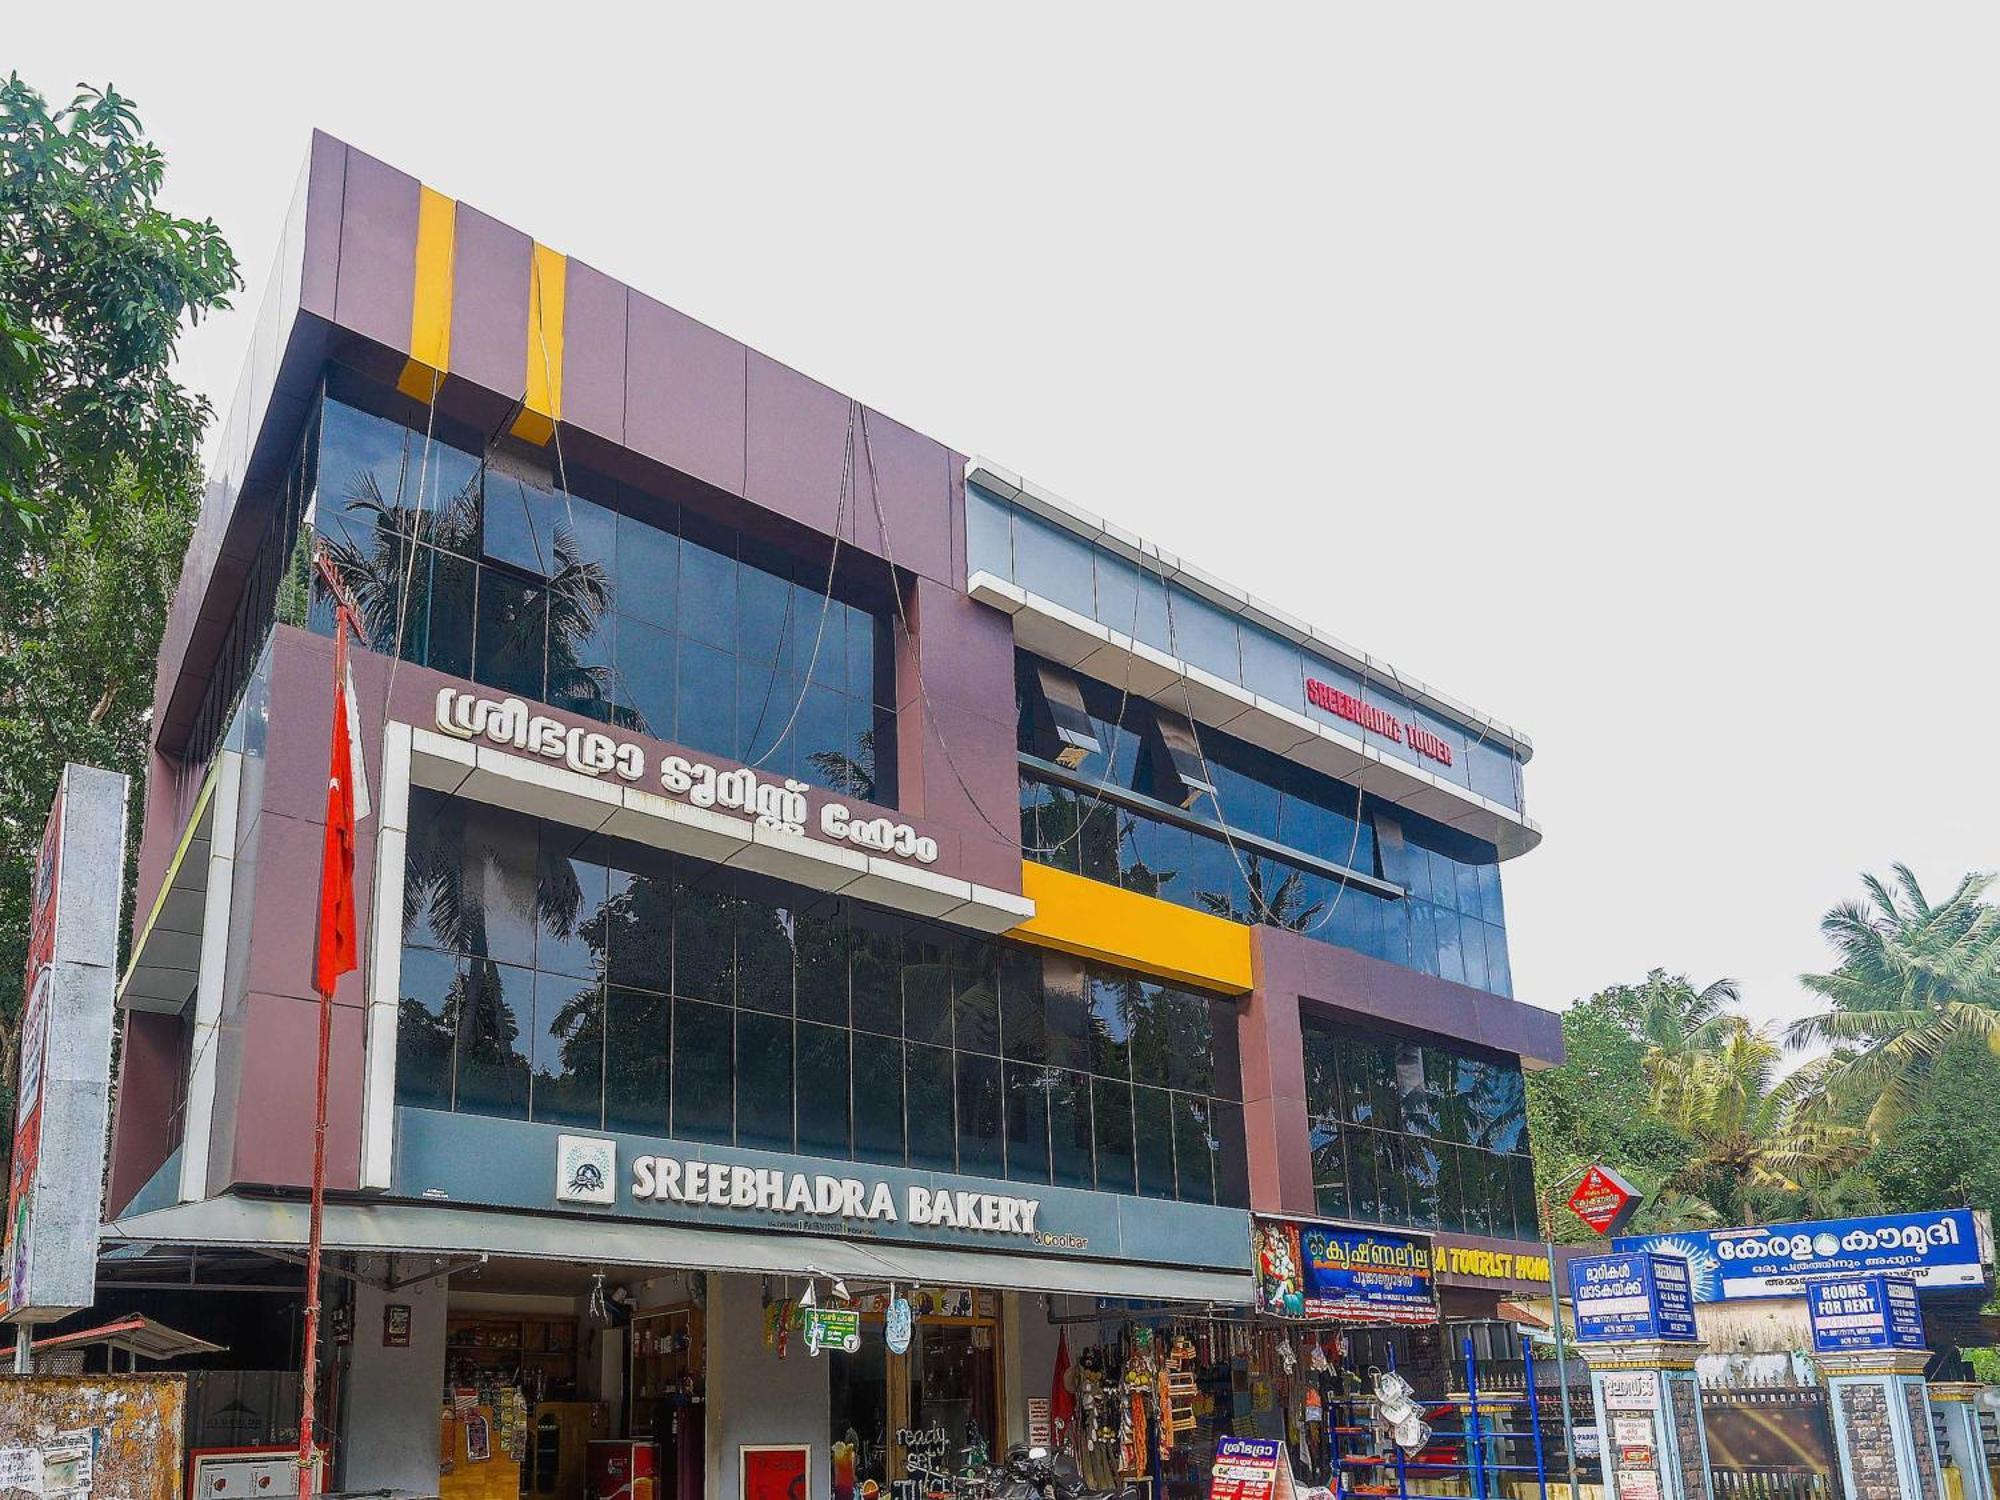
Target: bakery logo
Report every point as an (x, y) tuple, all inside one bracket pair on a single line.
[(586, 1170)]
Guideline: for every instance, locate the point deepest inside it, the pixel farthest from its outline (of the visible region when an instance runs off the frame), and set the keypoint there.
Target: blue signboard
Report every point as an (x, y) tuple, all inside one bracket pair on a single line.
[(1937, 1250), (1632, 1294), (1331, 1272), (1864, 1312)]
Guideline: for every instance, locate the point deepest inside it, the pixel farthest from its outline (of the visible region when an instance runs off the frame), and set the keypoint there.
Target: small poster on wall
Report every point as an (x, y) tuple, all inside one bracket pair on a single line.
[(772, 1471), (396, 1325), (478, 1438)]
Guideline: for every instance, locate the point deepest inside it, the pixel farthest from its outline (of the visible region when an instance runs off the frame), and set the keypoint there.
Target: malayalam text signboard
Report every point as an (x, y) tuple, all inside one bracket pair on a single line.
[(1334, 1273), (1937, 1250), (1864, 1312), (1249, 1469), (1604, 1200), (1632, 1294)]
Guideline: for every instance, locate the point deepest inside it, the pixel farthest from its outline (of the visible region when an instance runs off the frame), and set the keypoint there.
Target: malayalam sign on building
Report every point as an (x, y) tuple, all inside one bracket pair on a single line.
[(1939, 1250), (1334, 1273), (1631, 1295), (48, 1259), (1864, 1312)]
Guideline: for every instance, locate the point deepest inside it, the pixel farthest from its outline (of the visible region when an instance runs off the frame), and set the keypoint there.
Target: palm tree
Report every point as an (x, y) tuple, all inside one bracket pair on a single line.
[(1679, 1025), (1913, 978), (1281, 903), (1753, 1131)]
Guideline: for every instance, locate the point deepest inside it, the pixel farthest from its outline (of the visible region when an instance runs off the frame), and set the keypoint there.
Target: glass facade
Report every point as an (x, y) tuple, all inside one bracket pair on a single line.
[(1407, 1131), (1451, 922), (1094, 581), (624, 608), (592, 983)]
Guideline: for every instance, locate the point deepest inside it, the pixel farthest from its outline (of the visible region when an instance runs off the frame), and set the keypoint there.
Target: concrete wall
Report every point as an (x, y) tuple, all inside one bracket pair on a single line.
[(753, 1396), (393, 1395)]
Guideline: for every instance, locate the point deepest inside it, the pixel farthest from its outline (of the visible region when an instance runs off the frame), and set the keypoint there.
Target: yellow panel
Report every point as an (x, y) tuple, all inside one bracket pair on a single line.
[(430, 309), (542, 408), (1094, 920)]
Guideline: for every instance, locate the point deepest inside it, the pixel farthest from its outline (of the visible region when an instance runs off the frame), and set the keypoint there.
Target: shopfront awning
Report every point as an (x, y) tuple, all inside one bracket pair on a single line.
[(447, 1230)]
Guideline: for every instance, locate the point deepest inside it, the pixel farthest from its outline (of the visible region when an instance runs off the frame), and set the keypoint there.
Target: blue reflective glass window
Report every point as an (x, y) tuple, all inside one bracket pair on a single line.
[(926, 986), (1072, 1154), (764, 704), (496, 884), (708, 594), (569, 904), (1363, 1192), (878, 1099), (705, 941), (568, 1054), (707, 699), (1451, 960), (583, 657), (428, 994), (975, 995), (1467, 877), (764, 1081), (1055, 564), (1248, 805), (927, 1074), (1066, 1013), (1194, 1150), (1024, 1030), (360, 468), (648, 665), (822, 1090), (639, 925), (765, 959), (980, 1149), (437, 618), (1153, 1141), (820, 932), (1499, 974), (1420, 1182), (1027, 1122), (495, 1029), (876, 975), (1423, 936), (1492, 773), (1111, 1120), (1226, 1070), (704, 1072), (1472, 951), (763, 606), (989, 541), (637, 1055), (822, 736), (520, 524), (1113, 998), (649, 567), (1117, 593), (1489, 894), (1444, 880), (1232, 1161), (1215, 880), (511, 640)]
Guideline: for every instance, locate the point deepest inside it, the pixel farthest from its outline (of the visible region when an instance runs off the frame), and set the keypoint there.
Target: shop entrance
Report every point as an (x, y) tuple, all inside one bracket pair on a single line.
[(897, 1421)]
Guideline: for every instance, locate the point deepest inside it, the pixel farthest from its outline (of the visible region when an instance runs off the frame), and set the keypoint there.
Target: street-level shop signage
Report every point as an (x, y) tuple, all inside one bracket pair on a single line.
[(1247, 1468), (540, 1170), (769, 1191), (1864, 1312), (1940, 1249), (1344, 705), (1632, 1294), (1334, 1273), (780, 804), (1491, 1265), (1604, 1200)]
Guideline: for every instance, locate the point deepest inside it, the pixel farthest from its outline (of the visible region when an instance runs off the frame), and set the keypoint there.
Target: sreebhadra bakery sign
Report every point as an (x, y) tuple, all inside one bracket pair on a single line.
[(779, 804), (586, 1172)]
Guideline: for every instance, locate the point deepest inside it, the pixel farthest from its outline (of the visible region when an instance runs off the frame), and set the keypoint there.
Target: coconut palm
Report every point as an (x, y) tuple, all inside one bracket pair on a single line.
[(1913, 978), (1753, 1131), (1679, 1025)]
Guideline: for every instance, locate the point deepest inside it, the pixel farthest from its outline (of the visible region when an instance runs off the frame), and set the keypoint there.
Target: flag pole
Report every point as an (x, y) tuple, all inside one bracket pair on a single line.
[(308, 1460)]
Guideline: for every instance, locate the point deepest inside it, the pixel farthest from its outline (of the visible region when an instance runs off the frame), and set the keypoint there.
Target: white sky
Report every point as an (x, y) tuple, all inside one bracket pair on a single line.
[(1628, 372)]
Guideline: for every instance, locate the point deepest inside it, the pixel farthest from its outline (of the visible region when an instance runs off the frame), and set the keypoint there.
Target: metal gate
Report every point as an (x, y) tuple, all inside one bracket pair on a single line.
[(1769, 1441)]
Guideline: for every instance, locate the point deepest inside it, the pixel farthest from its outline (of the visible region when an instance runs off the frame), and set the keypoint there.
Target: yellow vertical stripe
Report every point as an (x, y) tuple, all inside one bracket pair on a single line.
[(430, 308), (542, 407)]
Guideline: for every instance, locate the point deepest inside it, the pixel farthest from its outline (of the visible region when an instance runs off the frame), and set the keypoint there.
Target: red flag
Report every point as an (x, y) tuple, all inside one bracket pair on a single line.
[(346, 800), (1062, 1400)]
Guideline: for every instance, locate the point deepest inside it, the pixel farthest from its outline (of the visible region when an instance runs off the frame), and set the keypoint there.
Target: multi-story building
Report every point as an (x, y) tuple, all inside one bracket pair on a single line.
[(797, 852)]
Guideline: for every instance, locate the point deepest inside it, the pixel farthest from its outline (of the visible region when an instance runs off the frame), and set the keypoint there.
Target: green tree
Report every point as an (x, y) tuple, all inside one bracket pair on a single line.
[(1914, 979), (99, 455), (1945, 1152)]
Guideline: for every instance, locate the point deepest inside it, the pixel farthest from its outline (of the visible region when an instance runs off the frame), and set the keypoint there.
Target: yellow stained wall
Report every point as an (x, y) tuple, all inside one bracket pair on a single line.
[(1090, 919)]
